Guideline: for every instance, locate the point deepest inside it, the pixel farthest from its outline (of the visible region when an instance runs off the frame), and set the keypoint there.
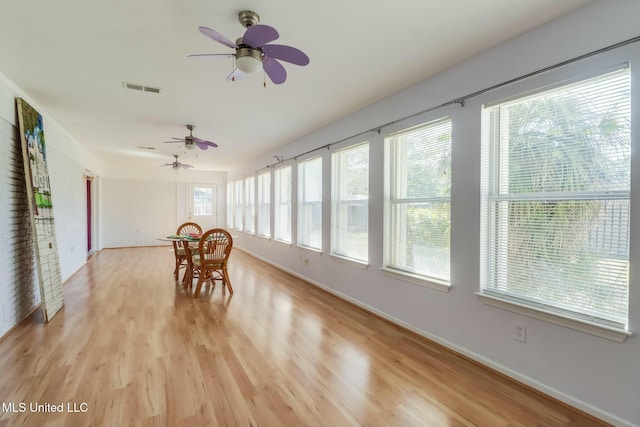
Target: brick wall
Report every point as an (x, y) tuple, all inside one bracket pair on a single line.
[(18, 284), (19, 290), (136, 212)]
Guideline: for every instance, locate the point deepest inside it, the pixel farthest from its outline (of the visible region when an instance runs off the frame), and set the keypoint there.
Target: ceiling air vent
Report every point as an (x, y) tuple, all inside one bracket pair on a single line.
[(143, 88)]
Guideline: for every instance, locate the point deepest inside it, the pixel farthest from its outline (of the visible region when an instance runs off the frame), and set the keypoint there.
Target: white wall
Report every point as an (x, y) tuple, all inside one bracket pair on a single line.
[(592, 373), (68, 191), (18, 281), (140, 207), (137, 213)]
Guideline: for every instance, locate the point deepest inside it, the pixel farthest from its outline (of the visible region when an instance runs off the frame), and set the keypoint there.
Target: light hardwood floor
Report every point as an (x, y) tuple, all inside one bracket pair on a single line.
[(137, 350)]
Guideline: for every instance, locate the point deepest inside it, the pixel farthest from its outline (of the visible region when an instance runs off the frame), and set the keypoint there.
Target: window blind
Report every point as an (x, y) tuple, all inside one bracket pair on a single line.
[(282, 212), (230, 204), (238, 199), (350, 203), (310, 203), (556, 211), (264, 204), (418, 224), (249, 204)]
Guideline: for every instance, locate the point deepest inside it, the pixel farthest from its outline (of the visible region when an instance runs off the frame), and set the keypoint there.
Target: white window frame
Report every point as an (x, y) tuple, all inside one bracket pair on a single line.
[(264, 205), (341, 201), (197, 201), (238, 205), (230, 204), (250, 204), (493, 148), (398, 202), (282, 204), (306, 206)]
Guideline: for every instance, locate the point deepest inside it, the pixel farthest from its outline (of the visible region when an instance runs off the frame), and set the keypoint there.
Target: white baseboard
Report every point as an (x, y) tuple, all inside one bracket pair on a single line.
[(549, 391)]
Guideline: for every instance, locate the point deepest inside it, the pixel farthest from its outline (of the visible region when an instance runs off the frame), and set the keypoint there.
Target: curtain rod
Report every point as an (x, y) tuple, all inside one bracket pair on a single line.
[(461, 100)]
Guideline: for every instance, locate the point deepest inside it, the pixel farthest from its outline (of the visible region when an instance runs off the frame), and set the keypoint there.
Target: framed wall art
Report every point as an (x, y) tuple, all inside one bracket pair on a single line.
[(34, 158)]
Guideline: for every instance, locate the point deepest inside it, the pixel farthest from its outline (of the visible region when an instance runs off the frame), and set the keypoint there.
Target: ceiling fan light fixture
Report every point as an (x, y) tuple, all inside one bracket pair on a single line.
[(248, 60), (189, 145)]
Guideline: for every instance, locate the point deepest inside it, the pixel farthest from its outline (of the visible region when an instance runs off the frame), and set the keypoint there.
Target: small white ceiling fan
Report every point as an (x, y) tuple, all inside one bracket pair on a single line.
[(176, 165)]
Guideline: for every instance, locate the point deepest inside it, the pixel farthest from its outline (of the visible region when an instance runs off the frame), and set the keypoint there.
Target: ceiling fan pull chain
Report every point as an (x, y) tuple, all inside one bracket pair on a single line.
[(233, 69)]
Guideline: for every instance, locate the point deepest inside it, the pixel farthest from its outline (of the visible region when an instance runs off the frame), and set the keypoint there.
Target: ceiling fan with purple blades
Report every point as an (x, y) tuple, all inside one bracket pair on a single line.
[(190, 142), (253, 50)]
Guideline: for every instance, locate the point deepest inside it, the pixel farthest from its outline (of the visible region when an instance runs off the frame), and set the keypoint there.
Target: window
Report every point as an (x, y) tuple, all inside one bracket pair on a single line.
[(310, 203), (350, 203), (418, 205), (264, 204), (282, 213), (556, 178), (202, 201), (249, 204), (237, 220), (230, 204)]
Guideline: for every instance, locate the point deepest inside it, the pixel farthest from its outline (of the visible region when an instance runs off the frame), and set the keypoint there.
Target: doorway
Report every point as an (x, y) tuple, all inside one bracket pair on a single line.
[(90, 214), (202, 202)]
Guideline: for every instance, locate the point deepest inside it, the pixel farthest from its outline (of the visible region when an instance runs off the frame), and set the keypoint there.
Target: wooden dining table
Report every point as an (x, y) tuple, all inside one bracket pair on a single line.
[(187, 244)]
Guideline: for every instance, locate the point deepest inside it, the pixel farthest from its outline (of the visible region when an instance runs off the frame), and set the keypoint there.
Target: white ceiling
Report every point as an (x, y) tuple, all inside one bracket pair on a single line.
[(72, 56)]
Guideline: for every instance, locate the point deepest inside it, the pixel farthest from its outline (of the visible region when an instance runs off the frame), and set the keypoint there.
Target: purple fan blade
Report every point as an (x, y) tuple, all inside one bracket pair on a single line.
[(213, 34), (259, 35), (274, 70), (204, 144), (286, 53), (210, 54)]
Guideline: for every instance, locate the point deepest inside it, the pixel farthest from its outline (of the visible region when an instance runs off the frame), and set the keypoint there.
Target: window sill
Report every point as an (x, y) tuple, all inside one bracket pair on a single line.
[(417, 279), (309, 249), (350, 261), (262, 236), (284, 242), (613, 334)]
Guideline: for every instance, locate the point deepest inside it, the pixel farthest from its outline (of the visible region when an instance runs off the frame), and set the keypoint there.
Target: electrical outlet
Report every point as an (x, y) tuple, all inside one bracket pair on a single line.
[(519, 332), (306, 261)]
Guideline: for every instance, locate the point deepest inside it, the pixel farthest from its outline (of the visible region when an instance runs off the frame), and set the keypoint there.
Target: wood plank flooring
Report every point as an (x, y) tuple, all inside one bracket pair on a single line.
[(132, 348)]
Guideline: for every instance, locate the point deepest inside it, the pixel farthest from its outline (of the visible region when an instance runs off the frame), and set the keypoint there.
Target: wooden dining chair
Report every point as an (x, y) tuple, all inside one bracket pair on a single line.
[(210, 262), (186, 229)]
